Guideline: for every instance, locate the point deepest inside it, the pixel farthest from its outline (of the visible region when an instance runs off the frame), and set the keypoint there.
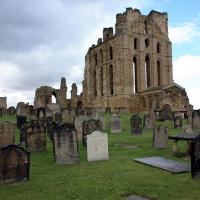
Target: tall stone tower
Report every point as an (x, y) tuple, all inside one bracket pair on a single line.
[(131, 68)]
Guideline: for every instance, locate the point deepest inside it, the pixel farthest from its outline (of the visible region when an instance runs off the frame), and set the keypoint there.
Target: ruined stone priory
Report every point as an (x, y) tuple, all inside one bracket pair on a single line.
[(131, 69)]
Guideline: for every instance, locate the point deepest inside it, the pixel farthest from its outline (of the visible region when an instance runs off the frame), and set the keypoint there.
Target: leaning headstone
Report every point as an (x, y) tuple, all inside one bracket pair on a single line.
[(89, 127), (195, 158), (136, 125), (35, 137), (65, 144), (7, 133), (14, 164), (160, 137), (196, 123), (116, 126), (178, 122), (97, 146), (79, 125), (187, 129)]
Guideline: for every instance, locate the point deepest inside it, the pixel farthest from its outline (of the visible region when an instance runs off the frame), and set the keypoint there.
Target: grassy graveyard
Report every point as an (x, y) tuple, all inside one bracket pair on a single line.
[(105, 180)]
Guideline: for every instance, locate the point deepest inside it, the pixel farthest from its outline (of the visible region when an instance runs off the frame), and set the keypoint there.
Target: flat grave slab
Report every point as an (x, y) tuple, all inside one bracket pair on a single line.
[(136, 197), (127, 146), (165, 164)]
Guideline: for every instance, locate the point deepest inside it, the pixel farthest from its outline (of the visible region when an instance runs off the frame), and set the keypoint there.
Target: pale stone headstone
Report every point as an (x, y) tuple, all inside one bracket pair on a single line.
[(7, 133), (65, 144), (68, 116), (78, 125), (116, 126), (97, 146), (147, 122), (187, 129), (160, 137)]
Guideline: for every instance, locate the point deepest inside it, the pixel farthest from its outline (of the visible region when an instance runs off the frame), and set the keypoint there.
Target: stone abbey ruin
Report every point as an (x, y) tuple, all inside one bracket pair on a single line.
[(128, 70)]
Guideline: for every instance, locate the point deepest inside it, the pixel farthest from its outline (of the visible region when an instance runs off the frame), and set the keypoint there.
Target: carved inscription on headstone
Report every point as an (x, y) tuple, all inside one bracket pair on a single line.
[(65, 144), (14, 164)]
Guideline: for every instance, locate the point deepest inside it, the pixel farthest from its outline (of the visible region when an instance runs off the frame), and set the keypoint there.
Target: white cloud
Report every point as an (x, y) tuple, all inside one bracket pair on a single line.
[(187, 73), (184, 32)]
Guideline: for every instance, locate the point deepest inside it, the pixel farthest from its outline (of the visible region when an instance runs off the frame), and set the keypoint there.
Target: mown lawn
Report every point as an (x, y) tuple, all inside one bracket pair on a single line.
[(105, 180)]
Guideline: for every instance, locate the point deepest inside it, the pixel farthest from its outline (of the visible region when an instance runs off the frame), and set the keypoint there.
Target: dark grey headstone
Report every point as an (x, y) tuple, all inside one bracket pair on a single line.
[(65, 144), (14, 164), (165, 164), (195, 157), (89, 127), (160, 137), (166, 113), (136, 125)]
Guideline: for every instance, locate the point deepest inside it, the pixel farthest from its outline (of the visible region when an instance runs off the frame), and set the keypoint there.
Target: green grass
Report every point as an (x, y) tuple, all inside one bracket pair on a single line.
[(106, 180)]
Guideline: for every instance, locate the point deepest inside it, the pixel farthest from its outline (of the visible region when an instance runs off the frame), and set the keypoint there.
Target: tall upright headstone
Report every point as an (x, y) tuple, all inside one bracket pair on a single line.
[(65, 144), (160, 137), (178, 122), (97, 146), (7, 133), (136, 125), (116, 125), (79, 125)]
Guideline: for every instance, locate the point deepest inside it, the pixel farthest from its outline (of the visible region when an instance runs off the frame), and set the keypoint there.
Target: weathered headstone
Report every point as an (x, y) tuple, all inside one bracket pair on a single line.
[(35, 137), (160, 137), (14, 164), (147, 122), (195, 157), (89, 127), (116, 126), (58, 117), (196, 123), (41, 113), (79, 125), (11, 110), (166, 113), (65, 144), (7, 133), (136, 125), (178, 122), (20, 121), (97, 146), (187, 129), (68, 116), (33, 115)]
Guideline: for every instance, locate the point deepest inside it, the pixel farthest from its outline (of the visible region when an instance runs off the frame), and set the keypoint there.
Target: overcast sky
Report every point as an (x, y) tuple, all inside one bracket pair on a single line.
[(44, 40)]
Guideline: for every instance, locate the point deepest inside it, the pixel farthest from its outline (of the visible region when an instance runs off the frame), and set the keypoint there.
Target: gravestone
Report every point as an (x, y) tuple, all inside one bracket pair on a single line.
[(89, 127), (58, 117), (116, 126), (14, 164), (49, 113), (41, 113), (195, 158), (11, 110), (166, 113), (97, 146), (79, 125), (68, 116), (178, 122), (65, 144), (196, 123), (187, 129), (20, 121), (35, 137), (160, 137), (147, 122), (33, 115), (7, 133), (136, 125)]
